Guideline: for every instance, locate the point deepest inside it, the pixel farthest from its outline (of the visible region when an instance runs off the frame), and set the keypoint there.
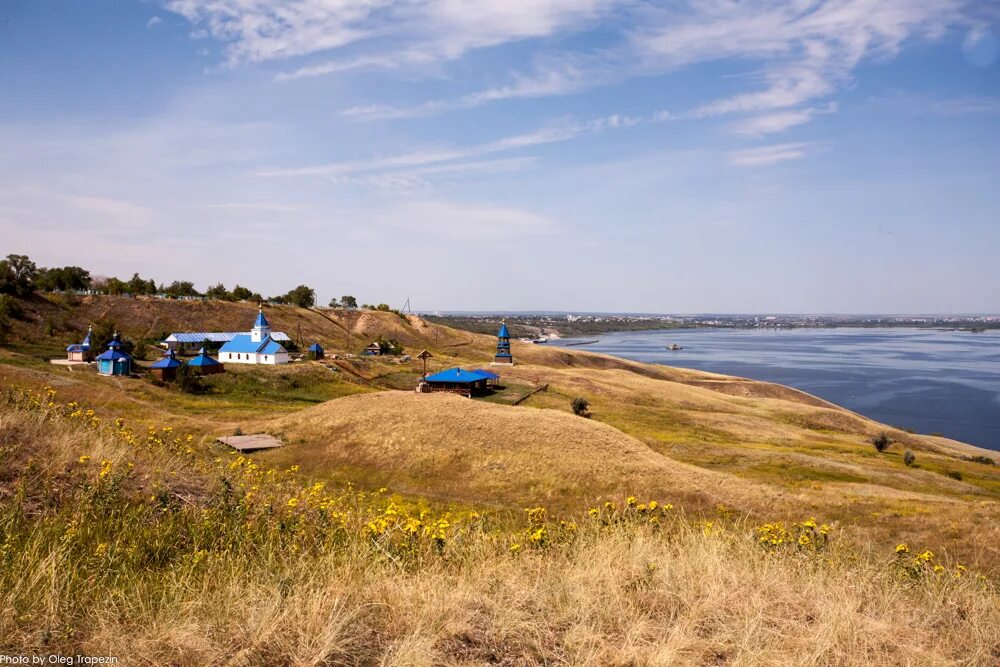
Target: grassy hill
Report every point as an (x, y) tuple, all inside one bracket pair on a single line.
[(759, 449), (298, 555)]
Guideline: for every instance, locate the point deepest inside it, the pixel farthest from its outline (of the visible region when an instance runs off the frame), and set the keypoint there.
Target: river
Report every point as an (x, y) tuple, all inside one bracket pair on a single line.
[(930, 380)]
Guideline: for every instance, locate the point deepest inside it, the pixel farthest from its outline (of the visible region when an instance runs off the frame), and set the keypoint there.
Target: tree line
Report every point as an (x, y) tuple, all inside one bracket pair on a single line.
[(21, 277)]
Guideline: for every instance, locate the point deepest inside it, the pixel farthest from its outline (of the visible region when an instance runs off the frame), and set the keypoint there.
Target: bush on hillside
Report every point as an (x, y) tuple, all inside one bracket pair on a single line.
[(909, 458), (189, 380), (881, 442), (581, 407)]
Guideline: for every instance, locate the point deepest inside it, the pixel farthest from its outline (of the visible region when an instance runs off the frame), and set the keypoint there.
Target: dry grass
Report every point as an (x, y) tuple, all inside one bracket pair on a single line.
[(217, 579), (446, 446)]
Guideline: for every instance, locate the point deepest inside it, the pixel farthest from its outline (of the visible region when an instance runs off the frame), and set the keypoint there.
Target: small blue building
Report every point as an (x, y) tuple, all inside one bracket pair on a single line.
[(316, 351), (503, 355), (114, 361), (206, 364), (166, 368), (81, 351)]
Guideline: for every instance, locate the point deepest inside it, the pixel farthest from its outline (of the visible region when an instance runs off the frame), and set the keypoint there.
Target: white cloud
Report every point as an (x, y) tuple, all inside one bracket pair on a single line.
[(806, 50), (154, 21), (547, 135), (764, 156), (779, 121), (260, 30)]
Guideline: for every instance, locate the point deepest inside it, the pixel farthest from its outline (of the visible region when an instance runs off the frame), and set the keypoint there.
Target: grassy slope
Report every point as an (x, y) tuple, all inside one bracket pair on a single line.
[(140, 552), (759, 449)]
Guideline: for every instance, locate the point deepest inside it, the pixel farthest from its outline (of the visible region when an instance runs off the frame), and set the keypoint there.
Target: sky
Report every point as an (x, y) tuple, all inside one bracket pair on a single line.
[(753, 156)]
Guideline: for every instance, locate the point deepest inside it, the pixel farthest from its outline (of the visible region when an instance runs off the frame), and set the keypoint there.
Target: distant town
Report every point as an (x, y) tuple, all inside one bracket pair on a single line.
[(568, 325)]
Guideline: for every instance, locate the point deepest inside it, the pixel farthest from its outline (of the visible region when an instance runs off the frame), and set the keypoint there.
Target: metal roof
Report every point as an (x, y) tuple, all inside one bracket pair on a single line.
[(218, 337), (271, 347), (315, 347), (112, 355), (261, 321), (169, 360), (503, 331), (457, 375), (490, 375), (203, 359)]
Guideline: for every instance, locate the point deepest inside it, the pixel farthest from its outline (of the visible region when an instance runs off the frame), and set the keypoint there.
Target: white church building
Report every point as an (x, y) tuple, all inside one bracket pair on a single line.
[(256, 347)]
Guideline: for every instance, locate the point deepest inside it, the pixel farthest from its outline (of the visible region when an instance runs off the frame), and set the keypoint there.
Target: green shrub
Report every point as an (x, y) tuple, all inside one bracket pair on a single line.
[(881, 441), (581, 407), (189, 380), (909, 457), (954, 474)]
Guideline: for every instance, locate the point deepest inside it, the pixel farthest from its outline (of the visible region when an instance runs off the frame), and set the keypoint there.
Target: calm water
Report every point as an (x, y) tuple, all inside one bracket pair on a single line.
[(944, 382)]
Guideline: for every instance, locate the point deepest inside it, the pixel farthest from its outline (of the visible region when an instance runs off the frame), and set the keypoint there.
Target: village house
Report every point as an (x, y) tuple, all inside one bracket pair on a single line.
[(81, 351), (256, 347), (373, 350)]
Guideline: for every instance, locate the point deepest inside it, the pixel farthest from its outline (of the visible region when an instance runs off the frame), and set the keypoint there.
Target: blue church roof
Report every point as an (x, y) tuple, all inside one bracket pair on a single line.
[(169, 360), (503, 331), (114, 352), (261, 321), (457, 375), (203, 360), (112, 355), (243, 344), (271, 347)]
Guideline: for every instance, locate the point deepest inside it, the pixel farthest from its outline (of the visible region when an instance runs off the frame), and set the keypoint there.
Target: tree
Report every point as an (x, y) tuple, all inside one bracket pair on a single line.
[(113, 286), (302, 296), (881, 442), (348, 302), (581, 407), (241, 293), (64, 278), (137, 285), (218, 292), (181, 288), (189, 380), (100, 336), (389, 346), (334, 303), (17, 275)]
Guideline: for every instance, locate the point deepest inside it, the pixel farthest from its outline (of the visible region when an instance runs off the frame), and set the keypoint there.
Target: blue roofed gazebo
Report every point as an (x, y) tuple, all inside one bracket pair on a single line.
[(459, 381), (166, 368), (206, 364), (316, 351)]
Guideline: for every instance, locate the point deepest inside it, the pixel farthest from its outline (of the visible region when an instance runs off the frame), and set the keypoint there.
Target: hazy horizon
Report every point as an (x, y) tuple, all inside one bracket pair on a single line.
[(603, 155)]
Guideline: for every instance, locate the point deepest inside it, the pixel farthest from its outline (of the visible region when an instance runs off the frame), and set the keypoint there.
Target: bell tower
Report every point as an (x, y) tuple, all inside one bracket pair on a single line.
[(261, 327), (503, 355)]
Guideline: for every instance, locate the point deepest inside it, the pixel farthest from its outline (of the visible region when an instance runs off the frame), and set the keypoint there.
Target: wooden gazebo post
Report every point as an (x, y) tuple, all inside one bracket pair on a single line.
[(424, 356)]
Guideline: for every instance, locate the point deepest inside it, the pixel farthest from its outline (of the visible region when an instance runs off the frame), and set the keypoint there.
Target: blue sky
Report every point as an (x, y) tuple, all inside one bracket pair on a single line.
[(712, 156)]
